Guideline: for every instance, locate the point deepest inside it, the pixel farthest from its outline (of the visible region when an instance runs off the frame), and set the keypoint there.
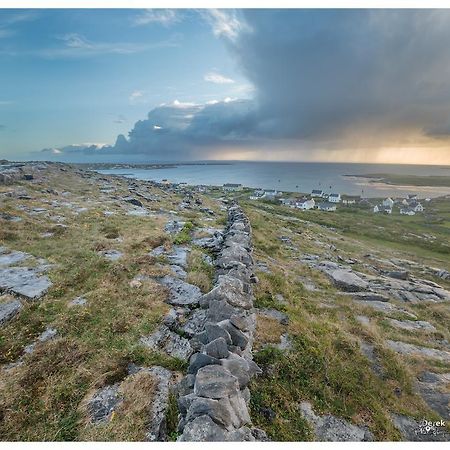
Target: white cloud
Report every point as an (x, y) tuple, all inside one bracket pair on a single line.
[(217, 78), (164, 17), (5, 102), (136, 96), (78, 46), (224, 23)]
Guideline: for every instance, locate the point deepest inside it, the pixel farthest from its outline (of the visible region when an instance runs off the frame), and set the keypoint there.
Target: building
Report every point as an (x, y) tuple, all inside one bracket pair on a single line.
[(382, 209), (305, 203), (416, 206), (270, 194), (388, 202), (256, 195), (334, 198), (407, 211), (327, 206), (288, 202), (317, 193), (232, 187)]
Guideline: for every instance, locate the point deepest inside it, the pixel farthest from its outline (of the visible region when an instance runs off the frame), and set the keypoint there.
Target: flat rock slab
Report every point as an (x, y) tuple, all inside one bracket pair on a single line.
[(179, 255), (413, 350), (9, 310), (412, 430), (334, 429), (12, 258), (180, 292), (386, 308), (169, 342), (24, 281), (347, 281), (412, 325)]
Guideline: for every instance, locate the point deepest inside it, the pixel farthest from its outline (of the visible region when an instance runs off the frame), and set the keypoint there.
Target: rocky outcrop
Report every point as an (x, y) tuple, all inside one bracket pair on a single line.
[(213, 398), (334, 429)]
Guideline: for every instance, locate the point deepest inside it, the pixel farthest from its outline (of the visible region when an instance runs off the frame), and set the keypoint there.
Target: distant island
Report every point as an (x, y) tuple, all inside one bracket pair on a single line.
[(406, 180)]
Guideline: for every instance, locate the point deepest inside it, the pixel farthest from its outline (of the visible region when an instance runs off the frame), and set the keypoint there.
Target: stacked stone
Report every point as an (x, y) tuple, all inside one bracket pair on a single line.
[(213, 398)]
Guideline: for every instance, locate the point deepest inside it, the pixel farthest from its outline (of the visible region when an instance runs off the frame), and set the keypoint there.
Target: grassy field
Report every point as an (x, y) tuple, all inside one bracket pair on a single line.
[(326, 366), (43, 398)]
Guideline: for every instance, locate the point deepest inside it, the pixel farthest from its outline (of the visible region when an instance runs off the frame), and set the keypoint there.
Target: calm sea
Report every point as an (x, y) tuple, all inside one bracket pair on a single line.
[(294, 177)]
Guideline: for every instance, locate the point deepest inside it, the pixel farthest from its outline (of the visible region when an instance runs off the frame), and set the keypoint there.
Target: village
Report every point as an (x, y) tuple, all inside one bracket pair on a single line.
[(322, 201)]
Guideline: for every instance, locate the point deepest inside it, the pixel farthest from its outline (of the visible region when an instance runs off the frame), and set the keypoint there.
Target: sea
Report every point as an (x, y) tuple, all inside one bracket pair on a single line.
[(300, 177)]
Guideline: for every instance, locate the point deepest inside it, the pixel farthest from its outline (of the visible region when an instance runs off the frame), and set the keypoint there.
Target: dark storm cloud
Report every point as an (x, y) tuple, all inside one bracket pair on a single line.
[(318, 75)]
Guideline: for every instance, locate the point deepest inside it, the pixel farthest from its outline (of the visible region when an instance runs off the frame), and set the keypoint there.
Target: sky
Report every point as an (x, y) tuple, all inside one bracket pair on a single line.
[(179, 85)]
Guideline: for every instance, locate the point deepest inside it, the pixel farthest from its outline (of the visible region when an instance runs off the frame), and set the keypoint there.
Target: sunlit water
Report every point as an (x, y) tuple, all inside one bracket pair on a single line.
[(295, 177)]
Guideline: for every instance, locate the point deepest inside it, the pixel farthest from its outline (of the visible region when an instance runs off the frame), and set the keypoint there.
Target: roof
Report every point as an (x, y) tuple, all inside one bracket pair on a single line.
[(334, 195), (327, 205), (232, 185), (303, 200), (317, 191)]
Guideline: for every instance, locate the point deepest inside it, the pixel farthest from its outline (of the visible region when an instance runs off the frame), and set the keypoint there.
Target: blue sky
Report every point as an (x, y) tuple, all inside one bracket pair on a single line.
[(153, 85), (76, 76)]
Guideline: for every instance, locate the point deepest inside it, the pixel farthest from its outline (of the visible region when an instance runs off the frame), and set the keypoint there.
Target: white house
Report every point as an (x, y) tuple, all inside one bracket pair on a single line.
[(317, 193), (334, 198), (327, 206), (407, 211), (270, 194), (305, 203), (382, 208), (232, 187), (388, 202), (416, 206), (256, 195)]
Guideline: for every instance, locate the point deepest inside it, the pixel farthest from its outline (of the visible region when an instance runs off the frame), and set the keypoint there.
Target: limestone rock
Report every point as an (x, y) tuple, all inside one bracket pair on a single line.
[(9, 310), (215, 382), (334, 429)]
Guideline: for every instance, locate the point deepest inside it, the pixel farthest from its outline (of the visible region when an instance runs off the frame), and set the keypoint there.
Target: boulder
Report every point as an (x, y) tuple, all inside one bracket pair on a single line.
[(237, 336), (217, 348), (199, 360), (228, 289), (202, 429), (214, 331), (215, 382), (220, 411)]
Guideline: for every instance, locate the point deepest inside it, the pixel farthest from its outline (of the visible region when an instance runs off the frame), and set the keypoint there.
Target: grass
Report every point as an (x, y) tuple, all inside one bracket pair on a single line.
[(40, 400), (326, 366)]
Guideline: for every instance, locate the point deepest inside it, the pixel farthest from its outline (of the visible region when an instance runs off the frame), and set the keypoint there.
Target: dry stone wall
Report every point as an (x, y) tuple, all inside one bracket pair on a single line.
[(213, 397)]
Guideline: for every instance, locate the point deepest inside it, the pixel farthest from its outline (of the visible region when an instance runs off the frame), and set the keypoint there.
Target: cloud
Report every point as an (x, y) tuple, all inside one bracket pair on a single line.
[(217, 78), (136, 96), (2, 127), (120, 119), (75, 45), (349, 81), (165, 17), (6, 102), (339, 73), (224, 23), (8, 21)]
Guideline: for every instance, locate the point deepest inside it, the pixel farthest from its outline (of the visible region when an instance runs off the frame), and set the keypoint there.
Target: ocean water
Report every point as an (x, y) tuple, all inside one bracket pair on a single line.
[(294, 177)]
